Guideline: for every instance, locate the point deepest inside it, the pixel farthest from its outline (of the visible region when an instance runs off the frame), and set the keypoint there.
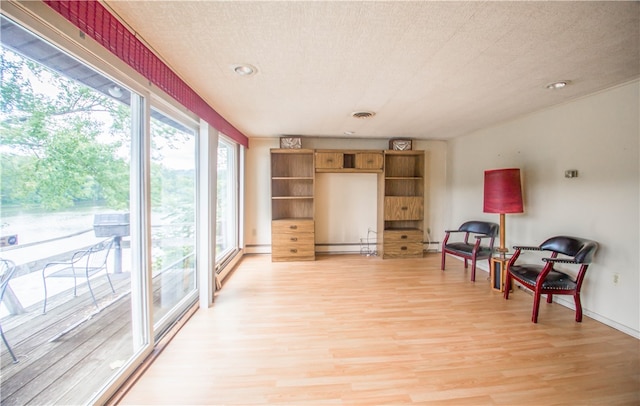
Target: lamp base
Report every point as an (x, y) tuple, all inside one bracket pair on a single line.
[(498, 273)]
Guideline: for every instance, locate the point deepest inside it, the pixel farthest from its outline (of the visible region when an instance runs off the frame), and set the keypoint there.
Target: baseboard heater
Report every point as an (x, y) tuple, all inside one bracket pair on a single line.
[(330, 248)]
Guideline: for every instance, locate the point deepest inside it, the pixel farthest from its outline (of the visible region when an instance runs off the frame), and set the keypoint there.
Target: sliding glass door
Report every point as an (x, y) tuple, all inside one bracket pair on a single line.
[(90, 164), (227, 224), (67, 159), (173, 218)]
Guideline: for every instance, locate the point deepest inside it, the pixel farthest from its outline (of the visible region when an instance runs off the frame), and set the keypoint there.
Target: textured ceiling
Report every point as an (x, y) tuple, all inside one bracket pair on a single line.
[(429, 70)]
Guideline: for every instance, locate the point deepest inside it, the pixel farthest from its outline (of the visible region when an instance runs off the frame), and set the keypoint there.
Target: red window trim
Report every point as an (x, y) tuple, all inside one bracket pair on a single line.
[(97, 22)]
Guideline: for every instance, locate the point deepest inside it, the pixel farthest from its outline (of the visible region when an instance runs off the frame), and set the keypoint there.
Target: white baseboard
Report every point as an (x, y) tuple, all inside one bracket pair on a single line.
[(568, 302), (258, 249)]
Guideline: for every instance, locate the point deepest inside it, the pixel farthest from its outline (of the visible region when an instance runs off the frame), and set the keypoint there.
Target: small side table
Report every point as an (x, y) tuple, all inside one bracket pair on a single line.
[(499, 272)]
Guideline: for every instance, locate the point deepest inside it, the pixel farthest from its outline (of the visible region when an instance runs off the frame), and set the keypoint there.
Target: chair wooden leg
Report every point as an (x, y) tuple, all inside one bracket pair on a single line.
[(473, 271), (549, 298), (442, 260), (466, 264), (536, 306), (576, 299), (507, 282)]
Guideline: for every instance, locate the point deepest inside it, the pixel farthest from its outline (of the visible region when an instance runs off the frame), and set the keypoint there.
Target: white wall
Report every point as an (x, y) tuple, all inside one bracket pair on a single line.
[(436, 205), (597, 135), (346, 208), (331, 229)]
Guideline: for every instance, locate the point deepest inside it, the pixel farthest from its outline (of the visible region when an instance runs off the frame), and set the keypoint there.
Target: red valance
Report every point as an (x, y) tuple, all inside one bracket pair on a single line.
[(97, 22)]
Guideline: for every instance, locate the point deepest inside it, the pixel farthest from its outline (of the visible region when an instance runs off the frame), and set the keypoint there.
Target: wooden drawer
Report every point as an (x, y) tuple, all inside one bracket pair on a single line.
[(369, 160), (292, 227), (293, 247), (282, 254), (403, 208), (292, 240), (402, 243), (329, 160), (403, 235)]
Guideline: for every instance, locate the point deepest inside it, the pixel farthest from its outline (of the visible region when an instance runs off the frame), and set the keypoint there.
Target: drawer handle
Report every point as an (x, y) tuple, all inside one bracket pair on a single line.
[(403, 248), (403, 237), (294, 239), (293, 251), (370, 161), (330, 160), (404, 208), (293, 227)]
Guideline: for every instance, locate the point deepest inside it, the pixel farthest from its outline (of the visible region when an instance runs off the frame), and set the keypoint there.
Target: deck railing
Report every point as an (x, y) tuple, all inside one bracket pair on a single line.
[(30, 258)]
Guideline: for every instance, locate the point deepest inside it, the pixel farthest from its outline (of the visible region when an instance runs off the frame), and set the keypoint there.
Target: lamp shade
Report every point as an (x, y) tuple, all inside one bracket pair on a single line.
[(502, 191)]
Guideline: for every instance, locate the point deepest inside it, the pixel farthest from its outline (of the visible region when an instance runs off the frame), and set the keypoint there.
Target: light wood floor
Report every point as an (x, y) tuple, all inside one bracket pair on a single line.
[(348, 329)]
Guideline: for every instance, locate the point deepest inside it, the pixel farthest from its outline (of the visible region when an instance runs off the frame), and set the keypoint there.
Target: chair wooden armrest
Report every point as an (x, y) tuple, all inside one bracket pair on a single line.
[(482, 248), (526, 248), (542, 278), (561, 260)]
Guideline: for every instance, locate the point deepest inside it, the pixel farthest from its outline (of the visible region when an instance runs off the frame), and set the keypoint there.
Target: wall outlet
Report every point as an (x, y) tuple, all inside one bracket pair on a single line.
[(616, 278)]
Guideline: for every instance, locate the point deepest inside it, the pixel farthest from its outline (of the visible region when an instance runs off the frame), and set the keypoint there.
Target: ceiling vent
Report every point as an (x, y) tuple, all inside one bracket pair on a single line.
[(363, 114)]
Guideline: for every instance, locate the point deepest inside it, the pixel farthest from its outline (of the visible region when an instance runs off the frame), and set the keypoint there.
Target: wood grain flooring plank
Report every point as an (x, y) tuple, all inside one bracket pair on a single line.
[(354, 330)]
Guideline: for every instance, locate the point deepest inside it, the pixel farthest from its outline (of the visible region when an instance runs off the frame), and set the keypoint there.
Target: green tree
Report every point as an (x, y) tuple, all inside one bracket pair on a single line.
[(59, 139)]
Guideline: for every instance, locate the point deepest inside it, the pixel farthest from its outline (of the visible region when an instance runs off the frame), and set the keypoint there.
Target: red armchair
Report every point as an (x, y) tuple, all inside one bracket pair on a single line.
[(482, 248), (543, 278)]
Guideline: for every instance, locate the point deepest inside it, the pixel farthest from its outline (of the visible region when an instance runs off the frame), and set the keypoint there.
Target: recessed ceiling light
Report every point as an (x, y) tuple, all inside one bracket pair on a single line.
[(245, 70), (558, 85)]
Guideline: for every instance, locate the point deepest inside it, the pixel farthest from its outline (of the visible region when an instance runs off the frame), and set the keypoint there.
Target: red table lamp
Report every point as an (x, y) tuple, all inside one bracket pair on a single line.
[(502, 194)]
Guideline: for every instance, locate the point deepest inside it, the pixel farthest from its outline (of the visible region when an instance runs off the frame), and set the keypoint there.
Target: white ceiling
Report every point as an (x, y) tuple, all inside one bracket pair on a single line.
[(429, 70)]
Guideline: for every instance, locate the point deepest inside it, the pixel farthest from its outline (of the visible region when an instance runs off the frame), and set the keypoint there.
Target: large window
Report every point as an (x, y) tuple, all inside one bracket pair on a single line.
[(227, 191), (66, 217), (95, 184), (173, 217)]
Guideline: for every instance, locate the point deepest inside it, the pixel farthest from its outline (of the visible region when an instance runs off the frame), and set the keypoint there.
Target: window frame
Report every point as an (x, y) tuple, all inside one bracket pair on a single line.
[(225, 262), (161, 326), (44, 22)]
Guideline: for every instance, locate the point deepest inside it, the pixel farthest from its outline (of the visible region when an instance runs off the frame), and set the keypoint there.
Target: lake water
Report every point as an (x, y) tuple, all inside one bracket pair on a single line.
[(33, 227), (36, 226)]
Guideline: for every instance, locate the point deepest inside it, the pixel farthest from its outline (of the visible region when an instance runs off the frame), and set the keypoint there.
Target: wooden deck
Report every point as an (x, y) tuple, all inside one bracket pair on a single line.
[(58, 351), (354, 330), (66, 354)]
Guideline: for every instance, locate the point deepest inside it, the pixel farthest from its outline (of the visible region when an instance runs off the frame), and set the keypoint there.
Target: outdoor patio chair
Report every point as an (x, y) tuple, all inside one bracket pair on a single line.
[(7, 269), (83, 264)]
